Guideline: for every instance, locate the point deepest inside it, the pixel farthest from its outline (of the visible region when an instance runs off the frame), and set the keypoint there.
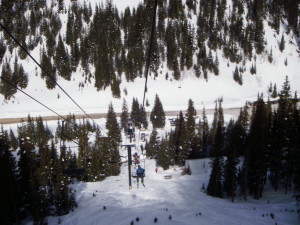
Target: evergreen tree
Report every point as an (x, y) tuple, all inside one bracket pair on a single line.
[(101, 158), (84, 152), (180, 141), (270, 56), (242, 127), (135, 112), (285, 109), (157, 116), (172, 49), (257, 168), (295, 143), (175, 9), (230, 168), (2, 48), (282, 43), (114, 139), (112, 126), (237, 76), (124, 115), (75, 55), (274, 93), (205, 132), (215, 187), (6, 88), (152, 147), (64, 200), (164, 156), (115, 87), (10, 206), (193, 141), (218, 119), (27, 171), (143, 117), (13, 140), (62, 60)]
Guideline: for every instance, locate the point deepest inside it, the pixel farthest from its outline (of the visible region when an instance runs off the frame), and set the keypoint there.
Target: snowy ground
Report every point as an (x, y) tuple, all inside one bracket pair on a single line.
[(180, 197)]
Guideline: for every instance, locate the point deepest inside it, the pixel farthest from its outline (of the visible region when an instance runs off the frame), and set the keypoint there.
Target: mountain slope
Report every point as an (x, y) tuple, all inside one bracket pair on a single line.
[(173, 93)]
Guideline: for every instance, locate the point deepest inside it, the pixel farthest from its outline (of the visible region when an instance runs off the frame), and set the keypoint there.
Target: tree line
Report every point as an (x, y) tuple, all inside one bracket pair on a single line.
[(36, 167), (258, 147), (105, 44)]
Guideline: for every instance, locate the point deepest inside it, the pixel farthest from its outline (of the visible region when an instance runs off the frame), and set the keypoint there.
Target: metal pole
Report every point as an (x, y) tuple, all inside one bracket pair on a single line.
[(61, 133), (129, 165)]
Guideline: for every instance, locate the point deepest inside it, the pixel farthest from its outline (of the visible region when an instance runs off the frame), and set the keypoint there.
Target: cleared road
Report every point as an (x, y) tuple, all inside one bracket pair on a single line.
[(232, 111)]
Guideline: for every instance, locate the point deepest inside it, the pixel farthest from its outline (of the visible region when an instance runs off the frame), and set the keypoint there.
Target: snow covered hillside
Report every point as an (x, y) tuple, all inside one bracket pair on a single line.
[(173, 94), (176, 201)]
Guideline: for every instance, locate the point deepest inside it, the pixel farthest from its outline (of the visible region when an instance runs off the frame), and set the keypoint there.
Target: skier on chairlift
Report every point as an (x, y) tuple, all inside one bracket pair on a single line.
[(140, 173), (136, 159)]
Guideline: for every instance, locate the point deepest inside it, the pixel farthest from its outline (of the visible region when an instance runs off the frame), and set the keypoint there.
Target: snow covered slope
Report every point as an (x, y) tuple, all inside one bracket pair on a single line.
[(174, 95), (111, 202)]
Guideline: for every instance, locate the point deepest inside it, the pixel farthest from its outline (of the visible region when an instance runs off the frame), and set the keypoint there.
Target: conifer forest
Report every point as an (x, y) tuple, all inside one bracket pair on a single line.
[(109, 46)]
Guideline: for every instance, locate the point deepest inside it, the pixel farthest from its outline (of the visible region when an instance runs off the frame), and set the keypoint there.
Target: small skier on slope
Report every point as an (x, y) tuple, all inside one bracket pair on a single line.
[(140, 173)]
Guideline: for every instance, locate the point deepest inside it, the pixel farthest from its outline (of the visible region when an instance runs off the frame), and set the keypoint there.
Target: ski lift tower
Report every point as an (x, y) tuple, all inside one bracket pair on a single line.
[(129, 162), (130, 132)]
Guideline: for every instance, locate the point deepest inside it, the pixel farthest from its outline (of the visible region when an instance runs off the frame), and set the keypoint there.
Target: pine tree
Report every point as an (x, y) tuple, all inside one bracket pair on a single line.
[(114, 139), (164, 156), (2, 48), (13, 140), (6, 89), (175, 9), (253, 69), (180, 141), (27, 169), (135, 112), (257, 168), (230, 168), (157, 116), (270, 56), (172, 49), (124, 115), (84, 152), (143, 117), (205, 132), (46, 64), (152, 147), (282, 43), (285, 107), (295, 143), (274, 93), (62, 60), (242, 126), (100, 158), (193, 141), (112, 125), (237, 76), (10, 205), (215, 187)]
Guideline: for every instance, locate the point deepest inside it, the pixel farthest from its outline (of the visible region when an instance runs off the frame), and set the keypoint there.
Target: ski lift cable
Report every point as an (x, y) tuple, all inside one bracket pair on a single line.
[(148, 60), (43, 70), (150, 50), (15, 86)]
